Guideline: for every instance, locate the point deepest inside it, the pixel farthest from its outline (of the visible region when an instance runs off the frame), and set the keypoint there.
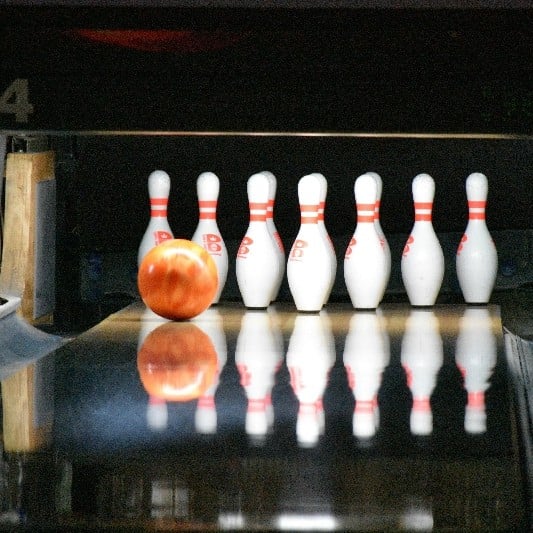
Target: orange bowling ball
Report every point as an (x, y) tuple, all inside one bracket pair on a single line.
[(177, 362), (177, 279)]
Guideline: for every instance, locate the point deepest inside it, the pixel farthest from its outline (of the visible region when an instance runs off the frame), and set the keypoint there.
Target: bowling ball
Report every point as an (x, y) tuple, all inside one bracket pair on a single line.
[(177, 279), (177, 362)]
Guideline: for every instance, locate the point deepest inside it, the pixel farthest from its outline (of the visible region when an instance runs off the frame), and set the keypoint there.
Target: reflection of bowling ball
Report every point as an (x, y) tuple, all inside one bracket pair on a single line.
[(177, 362), (177, 279)]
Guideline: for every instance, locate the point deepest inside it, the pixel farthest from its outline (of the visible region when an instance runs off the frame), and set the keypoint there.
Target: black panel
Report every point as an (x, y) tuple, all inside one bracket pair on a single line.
[(270, 70)]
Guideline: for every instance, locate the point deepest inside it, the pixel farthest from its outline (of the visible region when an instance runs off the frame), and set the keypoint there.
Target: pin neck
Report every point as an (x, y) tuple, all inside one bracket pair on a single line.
[(476, 399), (258, 211), (158, 207), (365, 212), (476, 209), (422, 403), (423, 211), (207, 209), (309, 213)]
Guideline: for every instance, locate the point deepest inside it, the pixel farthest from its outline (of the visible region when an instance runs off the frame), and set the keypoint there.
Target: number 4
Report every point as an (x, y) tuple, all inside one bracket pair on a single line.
[(15, 100)]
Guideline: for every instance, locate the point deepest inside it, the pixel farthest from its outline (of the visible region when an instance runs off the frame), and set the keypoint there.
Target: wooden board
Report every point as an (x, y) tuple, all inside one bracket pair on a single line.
[(24, 172)]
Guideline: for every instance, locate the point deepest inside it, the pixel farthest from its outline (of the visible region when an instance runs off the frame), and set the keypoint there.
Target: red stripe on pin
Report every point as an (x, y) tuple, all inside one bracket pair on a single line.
[(476, 215), (207, 204), (158, 212), (365, 207), (425, 217), (365, 218), (476, 399), (258, 205), (423, 205), (159, 201), (477, 203), (258, 218), (207, 215)]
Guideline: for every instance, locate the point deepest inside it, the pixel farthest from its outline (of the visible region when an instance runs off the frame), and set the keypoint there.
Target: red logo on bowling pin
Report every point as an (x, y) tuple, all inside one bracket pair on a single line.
[(161, 236), (406, 248), (212, 243), (298, 250), (461, 244), (349, 250), (244, 248)]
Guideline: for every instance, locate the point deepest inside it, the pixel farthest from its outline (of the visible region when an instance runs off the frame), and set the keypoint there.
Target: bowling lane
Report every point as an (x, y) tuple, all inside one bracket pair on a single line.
[(398, 419)]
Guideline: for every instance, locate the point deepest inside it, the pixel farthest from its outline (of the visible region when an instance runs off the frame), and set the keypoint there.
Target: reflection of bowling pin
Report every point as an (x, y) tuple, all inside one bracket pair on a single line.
[(207, 233), (158, 229), (257, 267), (310, 356), (381, 234), (210, 321), (475, 356), (477, 259), (156, 409), (309, 266), (258, 358), (325, 235), (365, 260), (366, 354), (280, 250), (421, 357), (422, 261)]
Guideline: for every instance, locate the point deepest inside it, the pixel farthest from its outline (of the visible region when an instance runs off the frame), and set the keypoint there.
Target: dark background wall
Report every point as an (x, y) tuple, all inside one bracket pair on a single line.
[(110, 193)]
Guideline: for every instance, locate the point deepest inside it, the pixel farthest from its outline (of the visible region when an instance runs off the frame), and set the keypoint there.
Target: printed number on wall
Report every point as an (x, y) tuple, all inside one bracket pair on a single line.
[(15, 100)]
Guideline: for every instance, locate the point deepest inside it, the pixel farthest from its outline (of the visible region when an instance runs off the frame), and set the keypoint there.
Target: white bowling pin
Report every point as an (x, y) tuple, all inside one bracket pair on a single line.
[(366, 354), (477, 259), (207, 233), (158, 229), (377, 223), (310, 356), (274, 232), (364, 261), (156, 414), (211, 323), (156, 409), (475, 356), (257, 266), (258, 358), (325, 235), (422, 263), (421, 357), (309, 266)]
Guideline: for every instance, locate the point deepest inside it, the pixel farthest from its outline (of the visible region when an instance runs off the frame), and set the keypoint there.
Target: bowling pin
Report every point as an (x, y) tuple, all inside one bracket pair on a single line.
[(475, 356), (156, 408), (207, 233), (257, 266), (422, 263), (366, 354), (158, 229), (211, 323), (325, 235), (310, 356), (274, 232), (476, 259), (309, 266), (422, 356), (377, 223), (258, 358), (364, 261)]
